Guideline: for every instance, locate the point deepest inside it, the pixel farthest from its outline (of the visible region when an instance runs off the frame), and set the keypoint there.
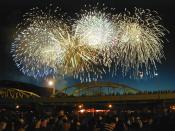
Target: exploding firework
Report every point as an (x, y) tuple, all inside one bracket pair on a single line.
[(80, 60), (138, 45), (37, 50), (95, 31), (95, 28), (46, 46)]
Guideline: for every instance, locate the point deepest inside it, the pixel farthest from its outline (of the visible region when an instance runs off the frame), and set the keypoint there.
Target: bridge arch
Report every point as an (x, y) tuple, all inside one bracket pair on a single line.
[(99, 88), (13, 93)]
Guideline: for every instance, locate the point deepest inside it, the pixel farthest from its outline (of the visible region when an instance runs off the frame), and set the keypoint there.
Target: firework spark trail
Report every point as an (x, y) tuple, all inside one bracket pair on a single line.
[(139, 42)]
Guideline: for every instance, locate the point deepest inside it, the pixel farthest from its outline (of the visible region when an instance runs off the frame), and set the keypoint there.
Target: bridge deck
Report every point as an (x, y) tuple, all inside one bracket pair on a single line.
[(138, 97), (91, 99)]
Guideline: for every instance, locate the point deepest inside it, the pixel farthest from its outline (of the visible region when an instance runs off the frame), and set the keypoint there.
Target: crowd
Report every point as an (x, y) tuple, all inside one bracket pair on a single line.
[(115, 120)]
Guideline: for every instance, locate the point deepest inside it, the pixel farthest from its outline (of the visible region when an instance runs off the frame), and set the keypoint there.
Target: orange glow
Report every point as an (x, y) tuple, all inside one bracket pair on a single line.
[(172, 107), (102, 110), (80, 106), (82, 110), (92, 110)]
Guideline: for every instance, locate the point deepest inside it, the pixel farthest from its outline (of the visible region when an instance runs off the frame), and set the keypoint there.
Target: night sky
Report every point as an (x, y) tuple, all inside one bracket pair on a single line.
[(11, 12)]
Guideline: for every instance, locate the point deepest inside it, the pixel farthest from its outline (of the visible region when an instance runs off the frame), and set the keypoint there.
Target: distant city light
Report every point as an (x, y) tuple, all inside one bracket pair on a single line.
[(92, 110), (80, 106), (172, 107), (82, 111)]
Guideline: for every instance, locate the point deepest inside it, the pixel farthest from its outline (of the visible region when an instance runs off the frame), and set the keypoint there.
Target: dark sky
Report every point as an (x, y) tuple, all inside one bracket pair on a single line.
[(12, 10)]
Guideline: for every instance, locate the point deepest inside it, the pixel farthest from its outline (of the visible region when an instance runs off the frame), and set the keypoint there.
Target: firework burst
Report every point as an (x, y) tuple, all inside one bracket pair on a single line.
[(80, 60), (95, 31), (94, 28), (37, 50), (138, 45), (45, 46)]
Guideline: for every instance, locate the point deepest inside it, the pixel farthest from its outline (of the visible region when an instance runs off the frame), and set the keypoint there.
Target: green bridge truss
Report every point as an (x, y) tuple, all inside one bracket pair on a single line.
[(99, 88)]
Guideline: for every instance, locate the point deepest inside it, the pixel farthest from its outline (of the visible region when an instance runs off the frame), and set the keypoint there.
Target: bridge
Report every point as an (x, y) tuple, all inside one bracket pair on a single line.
[(120, 98), (99, 89), (71, 100), (12, 93), (93, 92)]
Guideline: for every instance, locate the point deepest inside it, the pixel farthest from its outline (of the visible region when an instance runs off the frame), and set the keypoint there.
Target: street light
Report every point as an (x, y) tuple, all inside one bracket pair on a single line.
[(17, 106), (51, 83)]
